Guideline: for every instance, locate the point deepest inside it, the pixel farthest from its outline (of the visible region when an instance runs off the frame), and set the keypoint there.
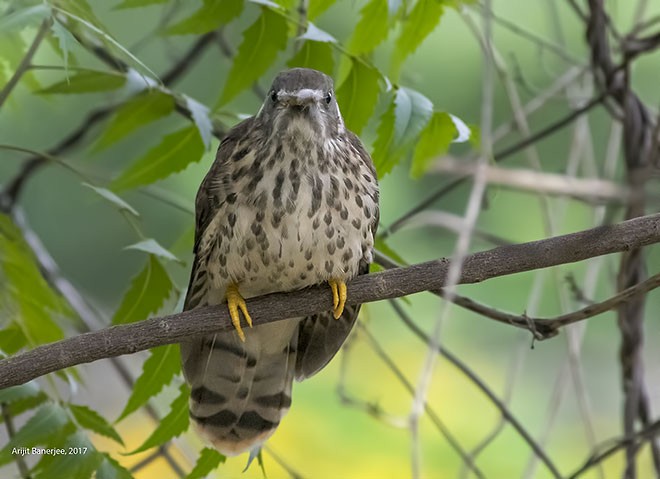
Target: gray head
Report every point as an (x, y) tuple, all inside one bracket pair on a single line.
[(302, 101)]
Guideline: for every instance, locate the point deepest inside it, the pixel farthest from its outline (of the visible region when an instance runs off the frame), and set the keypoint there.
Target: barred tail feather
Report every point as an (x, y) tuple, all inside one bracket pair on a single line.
[(241, 391)]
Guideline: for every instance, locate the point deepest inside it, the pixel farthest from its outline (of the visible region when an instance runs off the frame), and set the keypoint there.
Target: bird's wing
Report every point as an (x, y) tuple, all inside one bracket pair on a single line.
[(211, 196), (321, 335)]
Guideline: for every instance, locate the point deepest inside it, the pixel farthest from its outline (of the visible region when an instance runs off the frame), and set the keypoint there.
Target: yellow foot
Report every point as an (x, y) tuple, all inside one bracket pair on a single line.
[(235, 302), (338, 296)]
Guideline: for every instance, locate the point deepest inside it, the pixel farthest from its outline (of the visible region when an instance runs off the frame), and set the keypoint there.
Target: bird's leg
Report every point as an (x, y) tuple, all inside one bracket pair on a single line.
[(338, 296), (235, 302)]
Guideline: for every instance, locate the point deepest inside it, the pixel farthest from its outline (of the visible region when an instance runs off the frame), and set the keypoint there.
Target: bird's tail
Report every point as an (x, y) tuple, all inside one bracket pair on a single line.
[(240, 391)]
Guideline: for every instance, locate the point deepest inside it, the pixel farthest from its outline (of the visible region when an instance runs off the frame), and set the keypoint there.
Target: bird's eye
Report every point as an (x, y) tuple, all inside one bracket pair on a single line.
[(328, 98), (273, 96)]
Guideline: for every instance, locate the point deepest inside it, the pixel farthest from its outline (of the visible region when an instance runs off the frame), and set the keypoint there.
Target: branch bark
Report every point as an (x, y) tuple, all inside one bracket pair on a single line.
[(477, 267)]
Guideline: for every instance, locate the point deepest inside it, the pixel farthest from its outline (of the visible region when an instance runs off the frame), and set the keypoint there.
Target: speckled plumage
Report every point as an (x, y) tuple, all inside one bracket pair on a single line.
[(290, 201)]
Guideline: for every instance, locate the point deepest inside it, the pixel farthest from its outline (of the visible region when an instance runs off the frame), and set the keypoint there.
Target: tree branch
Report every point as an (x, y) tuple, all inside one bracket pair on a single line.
[(500, 261)]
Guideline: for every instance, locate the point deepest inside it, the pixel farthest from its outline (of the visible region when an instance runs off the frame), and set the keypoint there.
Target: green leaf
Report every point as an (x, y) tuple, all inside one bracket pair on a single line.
[(407, 115), (372, 28), (12, 339), (26, 289), (316, 34), (87, 82), (66, 41), (15, 393), (358, 94), (80, 464), (172, 425), (261, 42), (317, 7), (200, 115), (12, 50), (112, 198), (146, 295), (152, 246), (90, 419), (174, 153), (423, 18), (434, 141), (111, 469), (316, 55), (138, 3), (382, 246), (135, 113), (157, 371), (207, 462), (48, 422), (21, 18), (80, 9), (20, 406), (211, 15), (383, 144)]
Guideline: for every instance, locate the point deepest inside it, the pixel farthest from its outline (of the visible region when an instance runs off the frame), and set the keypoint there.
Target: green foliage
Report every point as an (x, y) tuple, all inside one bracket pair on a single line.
[(27, 291), (15, 393), (19, 19), (65, 41), (209, 459), (87, 82), (48, 424), (112, 198), (434, 141), (135, 113), (175, 152), (316, 55), (111, 469), (157, 372), (423, 18), (80, 465), (147, 293), (358, 95), (152, 246), (138, 3), (372, 28), (399, 128), (90, 419), (262, 41), (211, 15), (12, 338), (317, 7), (172, 425)]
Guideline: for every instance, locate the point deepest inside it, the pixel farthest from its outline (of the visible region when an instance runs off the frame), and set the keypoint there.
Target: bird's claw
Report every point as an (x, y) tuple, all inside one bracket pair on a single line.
[(338, 296), (235, 302)]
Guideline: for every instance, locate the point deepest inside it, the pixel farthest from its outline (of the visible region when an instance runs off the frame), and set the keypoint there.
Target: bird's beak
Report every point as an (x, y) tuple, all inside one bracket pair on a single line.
[(301, 98)]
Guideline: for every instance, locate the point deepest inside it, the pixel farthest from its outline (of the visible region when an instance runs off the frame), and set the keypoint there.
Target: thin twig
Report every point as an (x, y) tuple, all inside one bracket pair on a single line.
[(24, 65), (23, 469), (476, 380)]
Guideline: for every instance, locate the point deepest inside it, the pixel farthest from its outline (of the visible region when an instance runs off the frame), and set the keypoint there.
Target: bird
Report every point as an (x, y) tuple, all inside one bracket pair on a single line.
[(290, 201)]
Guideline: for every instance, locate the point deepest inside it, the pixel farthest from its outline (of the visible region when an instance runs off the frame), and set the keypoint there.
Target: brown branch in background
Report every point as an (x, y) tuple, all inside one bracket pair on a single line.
[(23, 469), (477, 267), (638, 142), (636, 440), (474, 378)]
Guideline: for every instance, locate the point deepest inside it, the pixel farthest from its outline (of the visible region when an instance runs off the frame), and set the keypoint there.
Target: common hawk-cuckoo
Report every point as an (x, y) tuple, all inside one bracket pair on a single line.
[(290, 201)]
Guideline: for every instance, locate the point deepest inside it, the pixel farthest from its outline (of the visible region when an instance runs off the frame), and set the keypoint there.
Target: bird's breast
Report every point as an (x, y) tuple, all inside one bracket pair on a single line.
[(298, 226)]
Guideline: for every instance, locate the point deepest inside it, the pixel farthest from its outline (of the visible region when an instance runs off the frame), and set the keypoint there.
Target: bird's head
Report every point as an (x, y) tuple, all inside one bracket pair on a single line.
[(302, 101)]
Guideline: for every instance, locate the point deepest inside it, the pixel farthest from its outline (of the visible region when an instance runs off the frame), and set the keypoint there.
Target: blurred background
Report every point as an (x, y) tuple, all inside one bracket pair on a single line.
[(351, 420)]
